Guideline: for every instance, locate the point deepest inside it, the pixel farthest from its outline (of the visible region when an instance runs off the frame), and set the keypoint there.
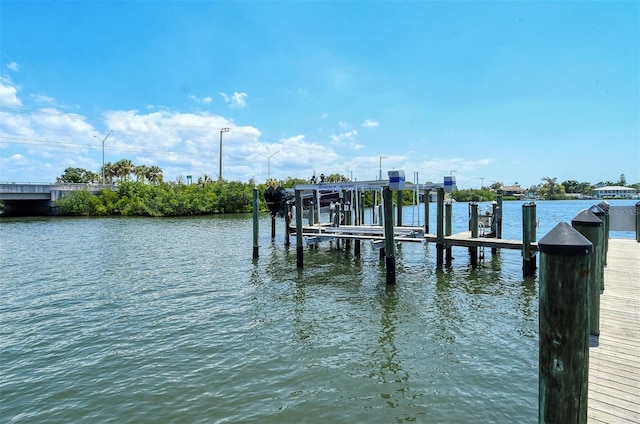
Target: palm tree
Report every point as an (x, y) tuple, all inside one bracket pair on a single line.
[(141, 172), (154, 174), (551, 189), (109, 172), (550, 183), (124, 168)]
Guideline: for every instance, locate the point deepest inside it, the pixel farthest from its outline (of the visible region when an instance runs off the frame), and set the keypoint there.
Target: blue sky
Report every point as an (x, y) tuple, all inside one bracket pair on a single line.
[(487, 91)]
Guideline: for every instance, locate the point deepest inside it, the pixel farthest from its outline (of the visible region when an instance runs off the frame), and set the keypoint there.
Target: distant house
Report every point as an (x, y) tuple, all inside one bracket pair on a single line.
[(614, 192), (514, 190)]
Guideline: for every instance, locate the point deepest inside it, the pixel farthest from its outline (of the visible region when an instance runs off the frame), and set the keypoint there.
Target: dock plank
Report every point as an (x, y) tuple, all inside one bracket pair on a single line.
[(464, 239), (614, 365)]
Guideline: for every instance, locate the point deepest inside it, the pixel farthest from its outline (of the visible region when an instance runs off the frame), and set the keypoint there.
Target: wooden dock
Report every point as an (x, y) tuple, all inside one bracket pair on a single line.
[(614, 365), (405, 234), (464, 239)]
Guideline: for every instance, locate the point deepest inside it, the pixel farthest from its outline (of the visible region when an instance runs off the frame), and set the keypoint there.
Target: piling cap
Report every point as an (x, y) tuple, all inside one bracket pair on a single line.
[(586, 218), (563, 239), (529, 205), (604, 205), (597, 210)]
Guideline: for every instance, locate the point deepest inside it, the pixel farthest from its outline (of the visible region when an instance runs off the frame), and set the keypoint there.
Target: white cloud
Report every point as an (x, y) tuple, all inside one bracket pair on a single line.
[(368, 123), (236, 100), (8, 93), (205, 100), (13, 66), (41, 98), (346, 139)]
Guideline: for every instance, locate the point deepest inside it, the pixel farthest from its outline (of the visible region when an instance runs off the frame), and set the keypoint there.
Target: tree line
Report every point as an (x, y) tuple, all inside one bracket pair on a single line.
[(122, 170), (141, 191)]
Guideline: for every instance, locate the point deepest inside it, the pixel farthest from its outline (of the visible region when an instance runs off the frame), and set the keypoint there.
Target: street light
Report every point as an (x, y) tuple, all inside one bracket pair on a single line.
[(103, 140), (381, 157), (269, 163), (348, 167), (222, 130)]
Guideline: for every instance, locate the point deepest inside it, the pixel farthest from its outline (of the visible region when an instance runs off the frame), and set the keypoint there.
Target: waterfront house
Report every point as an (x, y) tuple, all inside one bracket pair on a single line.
[(615, 192), (513, 190)]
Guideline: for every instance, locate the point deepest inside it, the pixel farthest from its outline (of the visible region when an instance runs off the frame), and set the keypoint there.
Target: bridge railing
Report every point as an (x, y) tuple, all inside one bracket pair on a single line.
[(16, 187)]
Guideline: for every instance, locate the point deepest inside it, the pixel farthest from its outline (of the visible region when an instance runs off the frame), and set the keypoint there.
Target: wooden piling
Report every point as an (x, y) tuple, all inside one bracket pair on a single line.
[(389, 244), (374, 208), (494, 222), (499, 218), (473, 223), (604, 205), (563, 324), (600, 213), (299, 248), (287, 223), (448, 228), (440, 228), (273, 227), (361, 208), (399, 200), (426, 211), (255, 224), (528, 236), (590, 226), (312, 213)]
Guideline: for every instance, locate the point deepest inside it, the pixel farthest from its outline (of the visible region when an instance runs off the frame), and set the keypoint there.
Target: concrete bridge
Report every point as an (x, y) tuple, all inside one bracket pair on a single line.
[(38, 198)]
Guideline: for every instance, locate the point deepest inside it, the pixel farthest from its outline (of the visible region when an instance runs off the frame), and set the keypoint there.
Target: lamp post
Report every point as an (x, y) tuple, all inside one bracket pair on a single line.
[(380, 174), (350, 172), (269, 163), (222, 130), (103, 140)]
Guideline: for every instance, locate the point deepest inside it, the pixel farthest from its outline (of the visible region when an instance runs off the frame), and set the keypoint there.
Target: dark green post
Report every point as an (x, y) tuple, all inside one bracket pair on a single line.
[(604, 205), (374, 208), (362, 208), (389, 245), (338, 216), (399, 199), (312, 213), (448, 227), (528, 236), (426, 211), (590, 226), (347, 215), (348, 208), (499, 211), (495, 213), (299, 249), (273, 227), (440, 228), (255, 224), (287, 223), (473, 222), (564, 328), (598, 212)]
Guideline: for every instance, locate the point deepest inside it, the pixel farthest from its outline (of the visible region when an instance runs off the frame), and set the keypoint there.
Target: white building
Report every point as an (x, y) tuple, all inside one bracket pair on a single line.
[(617, 192)]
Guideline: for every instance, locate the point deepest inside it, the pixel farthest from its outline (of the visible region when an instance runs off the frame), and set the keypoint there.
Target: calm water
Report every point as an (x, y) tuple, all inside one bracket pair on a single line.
[(169, 320)]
